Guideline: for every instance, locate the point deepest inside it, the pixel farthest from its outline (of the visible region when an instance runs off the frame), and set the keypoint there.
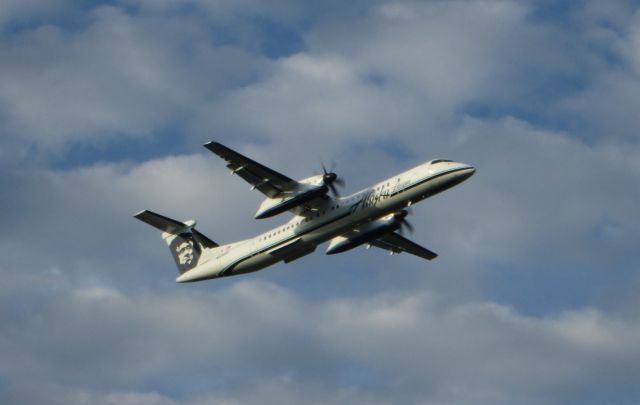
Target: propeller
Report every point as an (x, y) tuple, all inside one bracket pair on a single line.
[(331, 179), (401, 218)]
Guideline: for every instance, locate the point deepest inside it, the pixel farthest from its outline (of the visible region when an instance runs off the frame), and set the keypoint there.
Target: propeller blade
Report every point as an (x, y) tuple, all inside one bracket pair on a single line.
[(409, 227), (333, 166), (401, 217), (334, 190)]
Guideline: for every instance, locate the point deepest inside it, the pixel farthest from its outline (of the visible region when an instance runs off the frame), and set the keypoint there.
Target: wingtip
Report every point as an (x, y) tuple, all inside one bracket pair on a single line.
[(137, 215), (211, 145)]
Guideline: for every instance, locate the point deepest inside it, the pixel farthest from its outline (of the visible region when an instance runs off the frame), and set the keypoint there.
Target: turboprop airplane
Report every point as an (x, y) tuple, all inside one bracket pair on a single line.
[(374, 216)]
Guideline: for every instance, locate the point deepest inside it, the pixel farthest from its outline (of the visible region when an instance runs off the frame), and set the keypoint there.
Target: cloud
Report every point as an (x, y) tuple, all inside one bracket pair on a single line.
[(85, 224), (403, 72), (119, 75), (541, 187), (16, 12), (452, 54), (322, 100), (532, 300), (259, 341), (604, 109), (81, 221), (65, 396)]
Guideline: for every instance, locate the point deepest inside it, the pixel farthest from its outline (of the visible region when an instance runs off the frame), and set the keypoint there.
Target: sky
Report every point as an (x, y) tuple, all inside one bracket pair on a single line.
[(105, 105)]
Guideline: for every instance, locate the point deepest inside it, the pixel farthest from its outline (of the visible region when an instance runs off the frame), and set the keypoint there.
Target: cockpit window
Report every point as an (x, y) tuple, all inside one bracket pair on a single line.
[(440, 161)]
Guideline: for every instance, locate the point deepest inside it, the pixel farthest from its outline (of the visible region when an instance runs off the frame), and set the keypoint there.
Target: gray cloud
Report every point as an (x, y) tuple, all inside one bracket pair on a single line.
[(255, 340), (122, 75), (533, 299), (81, 220), (404, 72), (19, 12)]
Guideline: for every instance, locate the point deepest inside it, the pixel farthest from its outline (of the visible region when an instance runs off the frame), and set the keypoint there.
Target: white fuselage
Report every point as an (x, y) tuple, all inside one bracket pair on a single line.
[(302, 234)]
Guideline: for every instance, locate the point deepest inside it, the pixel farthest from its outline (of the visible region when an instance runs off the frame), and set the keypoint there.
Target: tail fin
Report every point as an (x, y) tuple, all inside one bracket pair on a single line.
[(184, 241)]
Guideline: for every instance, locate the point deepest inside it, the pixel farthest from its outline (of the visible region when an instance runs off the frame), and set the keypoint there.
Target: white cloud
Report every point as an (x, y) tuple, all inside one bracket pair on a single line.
[(402, 73), (543, 192), (310, 101), (264, 343), (89, 316), (448, 54), (122, 75), (81, 221), (604, 110)]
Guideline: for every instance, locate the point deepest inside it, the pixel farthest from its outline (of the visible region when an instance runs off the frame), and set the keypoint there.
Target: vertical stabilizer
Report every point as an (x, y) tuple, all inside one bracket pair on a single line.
[(185, 242)]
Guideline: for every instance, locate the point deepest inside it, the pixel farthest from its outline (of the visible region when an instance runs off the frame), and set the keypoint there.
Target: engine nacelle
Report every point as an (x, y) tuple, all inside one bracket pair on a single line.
[(278, 205), (367, 232)]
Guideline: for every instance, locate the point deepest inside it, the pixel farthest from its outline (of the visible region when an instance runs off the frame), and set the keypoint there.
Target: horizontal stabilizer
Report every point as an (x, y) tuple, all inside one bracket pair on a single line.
[(168, 225), (206, 242), (161, 222)]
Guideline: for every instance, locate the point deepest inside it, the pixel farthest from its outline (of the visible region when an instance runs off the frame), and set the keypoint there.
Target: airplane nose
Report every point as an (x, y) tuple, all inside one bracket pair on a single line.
[(467, 172)]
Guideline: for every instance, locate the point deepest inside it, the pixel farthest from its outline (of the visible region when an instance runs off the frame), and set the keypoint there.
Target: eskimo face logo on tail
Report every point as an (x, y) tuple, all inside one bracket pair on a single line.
[(186, 251)]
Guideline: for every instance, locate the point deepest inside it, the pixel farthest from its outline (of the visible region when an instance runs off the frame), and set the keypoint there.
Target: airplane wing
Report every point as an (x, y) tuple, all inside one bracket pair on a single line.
[(395, 243), (267, 181)]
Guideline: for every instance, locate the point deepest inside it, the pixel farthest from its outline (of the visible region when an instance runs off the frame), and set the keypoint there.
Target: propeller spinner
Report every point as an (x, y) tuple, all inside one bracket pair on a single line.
[(331, 179), (401, 219)]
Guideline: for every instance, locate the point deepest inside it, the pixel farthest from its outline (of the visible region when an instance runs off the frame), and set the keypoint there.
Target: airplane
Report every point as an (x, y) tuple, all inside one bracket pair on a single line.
[(375, 216)]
